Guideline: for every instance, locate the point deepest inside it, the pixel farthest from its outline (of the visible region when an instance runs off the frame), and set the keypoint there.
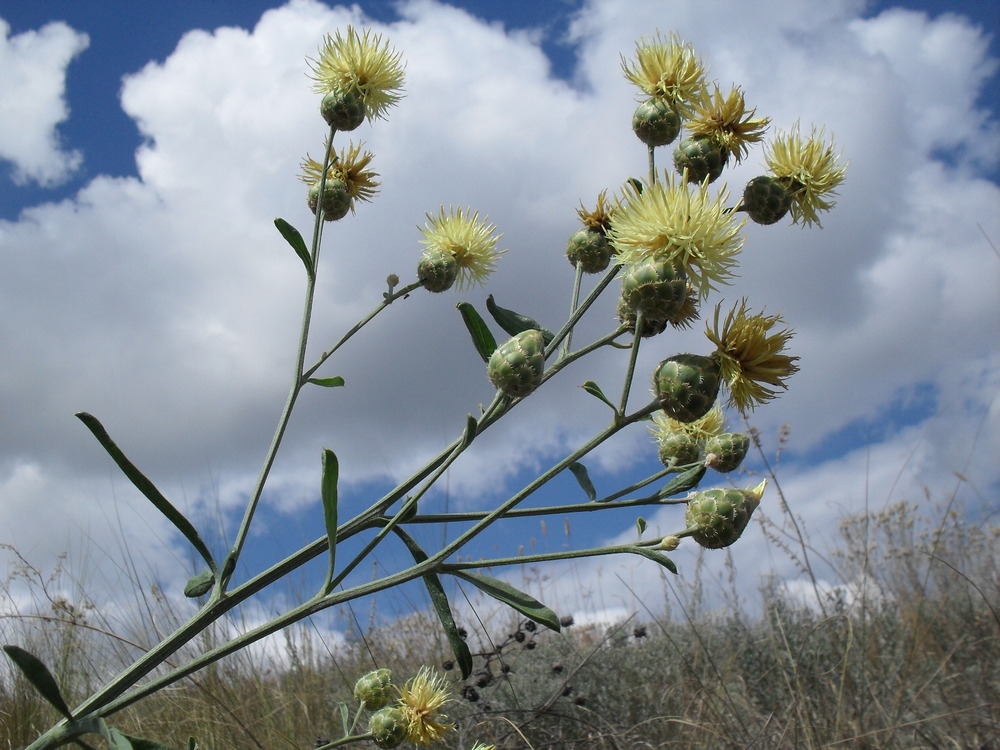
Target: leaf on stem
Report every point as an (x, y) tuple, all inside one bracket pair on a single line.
[(345, 718), (682, 482), (138, 743), (594, 390), (440, 601), (40, 677), (293, 238), (515, 323), (471, 428), (502, 591), (200, 585), (640, 525), (328, 490), (146, 487), (580, 472), (482, 338), (334, 382), (656, 557)]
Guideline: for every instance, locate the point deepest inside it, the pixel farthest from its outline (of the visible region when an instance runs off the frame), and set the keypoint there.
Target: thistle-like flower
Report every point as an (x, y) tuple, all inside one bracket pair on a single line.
[(421, 700), (668, 70), (360, 65), (699, 430), (750, 357), (350, 167), (463, 236), (809, 170), (725, 121), (686, 227)]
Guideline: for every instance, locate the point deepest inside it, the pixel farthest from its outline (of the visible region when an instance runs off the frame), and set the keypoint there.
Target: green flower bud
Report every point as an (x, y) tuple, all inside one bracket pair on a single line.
[(687, 386), (656, 287), (437, 270), (726, 452), (677, 449), (336, 199), (517, 366), (388, 727), (344, 110), (701, 158), (656, 123), (372, 689), (766, 200), (590, 248), (717, 517), (650, 326)]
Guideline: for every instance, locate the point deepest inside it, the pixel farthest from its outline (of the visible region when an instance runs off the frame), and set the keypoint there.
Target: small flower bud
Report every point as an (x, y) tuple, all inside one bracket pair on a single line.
[(437, 270), (590, 249), (726, 452), (677, 449), (766, 200), (344, 110), (718, 517), (336, 199), (669, 543), (701, 158), (656, 287), (687, 385), (372, 689), (656, 123), (388, 727), (517, 366), (651, 326)]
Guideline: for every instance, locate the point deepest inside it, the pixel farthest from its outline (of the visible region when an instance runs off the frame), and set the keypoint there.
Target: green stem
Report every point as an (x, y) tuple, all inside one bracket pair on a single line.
[(543, 557), (652, 165), (572, 305), (579, 312), (630, 373), (347, 740)]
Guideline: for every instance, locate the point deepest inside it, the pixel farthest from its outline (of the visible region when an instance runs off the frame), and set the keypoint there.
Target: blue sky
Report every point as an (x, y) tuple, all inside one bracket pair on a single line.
[(142, 283)]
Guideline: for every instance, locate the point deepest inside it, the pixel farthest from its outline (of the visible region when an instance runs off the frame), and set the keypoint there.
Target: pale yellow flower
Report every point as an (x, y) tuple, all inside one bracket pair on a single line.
[(699, 430), (751, 358), (350, 167), (421, 700), (363, 65), (726, 122), (809, 171), (680, 224), (471, 241), (667, 69), (600, 217)]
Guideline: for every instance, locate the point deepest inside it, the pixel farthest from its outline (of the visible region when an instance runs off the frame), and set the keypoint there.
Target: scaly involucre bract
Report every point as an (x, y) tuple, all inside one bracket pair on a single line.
[(422, 700), (680, 224), (350, 167), (751, 358), (725, 121), (361, 64), (471, 241), (667, 69), (808, 169)]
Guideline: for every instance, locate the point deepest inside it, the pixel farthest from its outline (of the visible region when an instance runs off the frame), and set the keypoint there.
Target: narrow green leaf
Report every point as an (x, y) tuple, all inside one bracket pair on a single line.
[(657, 557), (115, 739), (641, 525), (594, 390), (192, 744), (345, 718), (502, 591), (334, 382), (471, 427), (138, 743), (293, 238), (580, 472), (146, 487), (682, 482), (480, 332), (637, 184), (40, 677), (515, 323), (331, 472), (440, 601), (200, 585)]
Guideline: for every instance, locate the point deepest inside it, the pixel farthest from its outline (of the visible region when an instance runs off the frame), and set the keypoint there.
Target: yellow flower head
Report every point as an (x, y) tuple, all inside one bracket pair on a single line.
[(750, 356), (421, 701), (699, 430), (667, 69), (600, 217), (361, 65), (350, 167), (726, 121), (809, 171), (470, 241), (682, 225)]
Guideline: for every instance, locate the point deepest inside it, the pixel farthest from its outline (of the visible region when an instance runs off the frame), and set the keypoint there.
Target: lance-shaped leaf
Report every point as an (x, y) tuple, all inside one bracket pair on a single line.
[(200, 585), (334, 382), (514, 323), (115, 739), (580, 472), (293, 238), (138, 743), (657, 557), (471, 428), (345, 718), (502, 591), (641, 525), (682, 482), (440, 601), (480, 332), (594, 390), (328, 491), (40, 677), (146, 487)]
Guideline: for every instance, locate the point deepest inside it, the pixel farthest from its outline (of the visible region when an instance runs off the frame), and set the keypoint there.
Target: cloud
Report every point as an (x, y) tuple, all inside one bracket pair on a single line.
[(32, 101), (167, 305)]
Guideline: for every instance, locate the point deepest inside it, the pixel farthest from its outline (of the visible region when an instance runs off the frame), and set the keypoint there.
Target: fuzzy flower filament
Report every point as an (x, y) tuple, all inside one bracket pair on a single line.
[(725, 121), (421, 701), (808, 168), (462, 235), (668, 70)]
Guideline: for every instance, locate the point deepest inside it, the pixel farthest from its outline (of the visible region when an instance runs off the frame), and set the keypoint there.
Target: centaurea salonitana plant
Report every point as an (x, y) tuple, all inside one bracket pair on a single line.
[(664, 247)]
